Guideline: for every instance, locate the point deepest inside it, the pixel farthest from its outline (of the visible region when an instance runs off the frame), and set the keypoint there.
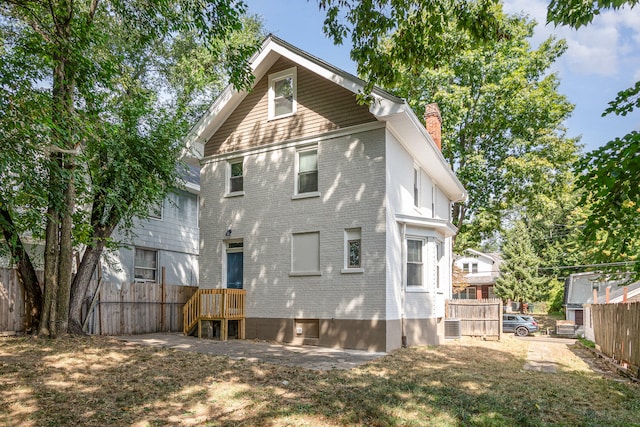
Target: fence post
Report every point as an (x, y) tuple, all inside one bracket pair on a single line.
[(162, 300)]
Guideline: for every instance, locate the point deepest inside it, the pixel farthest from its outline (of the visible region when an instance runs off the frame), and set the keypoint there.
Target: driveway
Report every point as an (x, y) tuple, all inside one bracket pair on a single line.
[(308, 357), (547, 353)]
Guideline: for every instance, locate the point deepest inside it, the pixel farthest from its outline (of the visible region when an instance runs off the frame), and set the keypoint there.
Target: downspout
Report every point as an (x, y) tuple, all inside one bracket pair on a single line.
[(403, 281)]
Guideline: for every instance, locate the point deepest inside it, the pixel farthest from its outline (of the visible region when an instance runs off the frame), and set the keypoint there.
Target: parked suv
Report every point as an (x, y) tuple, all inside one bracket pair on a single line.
[(522, 325)]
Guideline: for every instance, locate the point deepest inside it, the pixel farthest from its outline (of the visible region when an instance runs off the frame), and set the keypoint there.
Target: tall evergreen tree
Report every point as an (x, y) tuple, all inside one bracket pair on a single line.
[(519, 280)]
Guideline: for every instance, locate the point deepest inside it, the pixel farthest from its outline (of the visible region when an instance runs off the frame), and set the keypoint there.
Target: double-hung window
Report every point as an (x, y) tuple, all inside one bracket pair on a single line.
[(236, 177), (146, 265), (307, 174), (282, 93), (155, 211), (415, 275)]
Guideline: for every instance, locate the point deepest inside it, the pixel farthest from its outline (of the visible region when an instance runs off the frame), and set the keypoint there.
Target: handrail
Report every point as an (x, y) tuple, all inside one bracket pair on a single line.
[(213, 304)]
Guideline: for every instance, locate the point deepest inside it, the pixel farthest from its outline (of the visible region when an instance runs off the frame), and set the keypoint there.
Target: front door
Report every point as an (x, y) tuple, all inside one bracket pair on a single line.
[(234, 270)]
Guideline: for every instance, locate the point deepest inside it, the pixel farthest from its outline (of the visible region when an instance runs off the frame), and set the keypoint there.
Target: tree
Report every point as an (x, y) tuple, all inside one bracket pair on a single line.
[(608, 176), (107, 134), (519, 280), (502, 124), (417, 30)]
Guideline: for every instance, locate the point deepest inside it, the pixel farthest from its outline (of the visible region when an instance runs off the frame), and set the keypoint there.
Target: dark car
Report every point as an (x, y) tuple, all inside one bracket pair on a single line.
[(521, 324)]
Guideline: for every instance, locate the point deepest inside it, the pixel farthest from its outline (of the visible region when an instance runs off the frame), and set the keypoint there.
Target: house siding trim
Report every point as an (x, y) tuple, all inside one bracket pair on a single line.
[(443, 228), (294, 142)]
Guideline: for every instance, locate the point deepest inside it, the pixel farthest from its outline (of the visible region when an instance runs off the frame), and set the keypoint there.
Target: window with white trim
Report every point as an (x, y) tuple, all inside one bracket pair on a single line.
[(352, 250), (155, 211), (305, 253), (307, 171), (146, 265), (235, 173), (415, 273), (283, 93)]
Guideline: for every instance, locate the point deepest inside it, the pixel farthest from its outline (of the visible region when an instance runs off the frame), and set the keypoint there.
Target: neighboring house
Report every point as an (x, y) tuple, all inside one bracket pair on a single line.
[(480, 272), (578, 290), (333, 216), (168, 238)]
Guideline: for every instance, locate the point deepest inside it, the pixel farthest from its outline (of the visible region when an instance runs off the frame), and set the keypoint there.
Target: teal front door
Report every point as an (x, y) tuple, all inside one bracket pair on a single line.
[(234, 270)]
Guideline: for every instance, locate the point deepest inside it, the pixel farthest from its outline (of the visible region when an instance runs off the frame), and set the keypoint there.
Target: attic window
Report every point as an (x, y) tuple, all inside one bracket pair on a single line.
[(282, 93)]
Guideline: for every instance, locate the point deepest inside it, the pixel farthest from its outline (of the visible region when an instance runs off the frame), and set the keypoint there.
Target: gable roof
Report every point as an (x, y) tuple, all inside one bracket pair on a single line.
[(400, 119)]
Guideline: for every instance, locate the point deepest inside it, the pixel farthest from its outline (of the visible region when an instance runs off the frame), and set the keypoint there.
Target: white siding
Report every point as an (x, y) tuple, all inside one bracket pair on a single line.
[(428, 302), (484, 264), (175, 237)]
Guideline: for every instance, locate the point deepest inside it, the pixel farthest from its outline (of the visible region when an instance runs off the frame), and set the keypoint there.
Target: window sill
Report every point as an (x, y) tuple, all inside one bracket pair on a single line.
[(282, 116), (234, 194), (305, 273), (306, 195), (352, 271), (418, 290)]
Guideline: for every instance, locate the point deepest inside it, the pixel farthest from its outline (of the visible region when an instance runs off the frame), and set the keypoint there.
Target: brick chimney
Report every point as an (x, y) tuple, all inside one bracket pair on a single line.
[(433, 123)]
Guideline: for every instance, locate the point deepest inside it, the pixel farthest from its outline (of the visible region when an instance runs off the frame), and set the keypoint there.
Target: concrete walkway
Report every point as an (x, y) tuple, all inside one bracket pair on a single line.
[(545, 353), (308, 357)]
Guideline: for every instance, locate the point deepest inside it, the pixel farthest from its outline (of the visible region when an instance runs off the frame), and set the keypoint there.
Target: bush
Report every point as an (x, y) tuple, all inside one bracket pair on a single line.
[(556, 297)]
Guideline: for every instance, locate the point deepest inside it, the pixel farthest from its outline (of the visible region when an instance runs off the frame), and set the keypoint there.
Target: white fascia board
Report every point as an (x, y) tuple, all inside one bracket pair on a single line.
[(317, 68), (384, 108), (444, 227), (481, 254), (211, 120), (192, 188)]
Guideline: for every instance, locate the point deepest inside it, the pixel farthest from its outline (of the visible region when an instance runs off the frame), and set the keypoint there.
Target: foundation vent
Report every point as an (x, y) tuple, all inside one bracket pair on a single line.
[(452, 329)]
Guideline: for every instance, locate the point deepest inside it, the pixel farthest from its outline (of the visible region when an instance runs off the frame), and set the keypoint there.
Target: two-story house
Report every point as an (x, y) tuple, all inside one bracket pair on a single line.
[(480, 271), (332, 215), (167, 239)]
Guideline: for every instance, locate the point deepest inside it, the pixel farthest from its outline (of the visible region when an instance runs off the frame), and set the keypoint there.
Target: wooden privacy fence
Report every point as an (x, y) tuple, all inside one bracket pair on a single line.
[(138, 308), (616, 328), (14, 310), (478, 317)]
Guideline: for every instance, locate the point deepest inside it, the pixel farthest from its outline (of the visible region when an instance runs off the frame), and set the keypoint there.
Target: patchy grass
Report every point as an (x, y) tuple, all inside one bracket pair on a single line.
[(100, 381)]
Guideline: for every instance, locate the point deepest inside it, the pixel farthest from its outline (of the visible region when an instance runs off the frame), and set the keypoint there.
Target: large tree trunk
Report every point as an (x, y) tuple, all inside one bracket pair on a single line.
[(65, 261), (47, 322), (80, 285), (25, 270)]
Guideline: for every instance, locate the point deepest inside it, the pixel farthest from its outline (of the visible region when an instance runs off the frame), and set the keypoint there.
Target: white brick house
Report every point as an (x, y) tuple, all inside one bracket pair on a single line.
[(333, 216)]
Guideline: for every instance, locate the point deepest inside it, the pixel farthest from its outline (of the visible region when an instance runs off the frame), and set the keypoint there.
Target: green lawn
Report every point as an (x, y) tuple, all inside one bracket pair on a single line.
[(101, 381)]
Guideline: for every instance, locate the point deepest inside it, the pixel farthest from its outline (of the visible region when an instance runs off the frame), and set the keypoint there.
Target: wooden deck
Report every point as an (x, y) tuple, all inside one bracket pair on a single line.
[(215, 304)]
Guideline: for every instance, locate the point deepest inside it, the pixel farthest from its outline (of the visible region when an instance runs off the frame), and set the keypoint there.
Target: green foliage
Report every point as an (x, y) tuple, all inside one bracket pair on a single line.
[(417, 31), (577, 13), (556, 297), (502, 124), (608, 176), (96, 99), (519, 280), (587, 343)]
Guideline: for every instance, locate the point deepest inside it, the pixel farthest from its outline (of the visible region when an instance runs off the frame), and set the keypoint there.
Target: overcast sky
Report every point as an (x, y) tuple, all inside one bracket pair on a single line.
[(602, 58)]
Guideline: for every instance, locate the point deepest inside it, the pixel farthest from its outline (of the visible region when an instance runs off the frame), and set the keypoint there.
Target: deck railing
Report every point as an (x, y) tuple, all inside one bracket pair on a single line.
[(214, 304)]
